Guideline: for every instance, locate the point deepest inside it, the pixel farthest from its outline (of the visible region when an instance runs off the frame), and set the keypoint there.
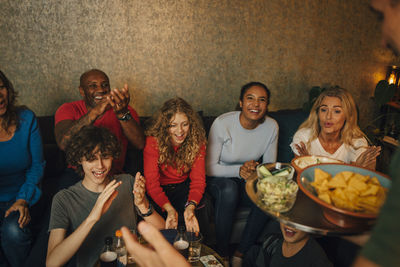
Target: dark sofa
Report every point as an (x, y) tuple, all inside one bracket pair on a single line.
[(288, 121)]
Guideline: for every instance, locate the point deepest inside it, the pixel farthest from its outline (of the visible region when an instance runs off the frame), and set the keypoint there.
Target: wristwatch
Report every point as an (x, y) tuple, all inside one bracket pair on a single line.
[(148, 213), (126, 117)]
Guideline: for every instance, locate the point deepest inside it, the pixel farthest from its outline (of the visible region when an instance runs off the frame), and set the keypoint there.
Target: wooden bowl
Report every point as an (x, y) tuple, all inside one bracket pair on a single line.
[(338, 216)]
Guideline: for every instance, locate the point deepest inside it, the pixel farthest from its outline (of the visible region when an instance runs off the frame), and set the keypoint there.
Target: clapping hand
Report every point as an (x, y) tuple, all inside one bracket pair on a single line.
[(104, 200), (139, 190), (367, 159), (301, 149), (119, 100)]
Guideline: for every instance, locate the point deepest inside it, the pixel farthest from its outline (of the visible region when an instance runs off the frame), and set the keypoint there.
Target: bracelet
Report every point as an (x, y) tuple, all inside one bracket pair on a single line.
[(148, 213), (190, 202)]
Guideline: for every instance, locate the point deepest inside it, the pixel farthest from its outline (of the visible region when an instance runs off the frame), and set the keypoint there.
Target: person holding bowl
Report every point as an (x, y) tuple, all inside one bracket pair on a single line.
[(21, 170), (331, 130), (237, 143), (174, 166)]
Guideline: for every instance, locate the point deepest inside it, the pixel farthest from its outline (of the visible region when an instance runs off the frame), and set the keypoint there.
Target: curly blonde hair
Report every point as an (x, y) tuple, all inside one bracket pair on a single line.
[(158, 127), (350, 130)]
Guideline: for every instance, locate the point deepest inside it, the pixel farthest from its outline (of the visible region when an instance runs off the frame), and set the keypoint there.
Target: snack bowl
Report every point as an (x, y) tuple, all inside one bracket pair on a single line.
[(276, 167), (338, 216), (302, 162), (278, 195)]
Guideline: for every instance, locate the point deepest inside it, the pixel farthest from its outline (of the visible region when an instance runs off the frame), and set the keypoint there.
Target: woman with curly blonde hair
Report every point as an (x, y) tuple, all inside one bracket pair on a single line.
[(174, 161), (331, 130)]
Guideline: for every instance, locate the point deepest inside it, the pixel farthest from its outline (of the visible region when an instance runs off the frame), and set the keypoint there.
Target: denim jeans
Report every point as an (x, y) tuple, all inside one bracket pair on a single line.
[(227, 193), (15, 242)]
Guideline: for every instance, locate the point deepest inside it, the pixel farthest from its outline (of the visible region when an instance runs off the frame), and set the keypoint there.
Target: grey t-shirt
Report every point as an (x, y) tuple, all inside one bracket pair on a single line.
[(72, 206)]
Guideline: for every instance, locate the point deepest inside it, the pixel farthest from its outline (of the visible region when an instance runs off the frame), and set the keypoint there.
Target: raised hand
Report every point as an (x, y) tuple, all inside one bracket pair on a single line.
[(22, 206), (139, 190), (367, 159), (160, 253), (192, 225), (104, 200), (101, 107), (119, 100), (301, 149)]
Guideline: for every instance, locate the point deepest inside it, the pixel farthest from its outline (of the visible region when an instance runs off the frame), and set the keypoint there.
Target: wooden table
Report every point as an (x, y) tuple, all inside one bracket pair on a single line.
[(205, 250)]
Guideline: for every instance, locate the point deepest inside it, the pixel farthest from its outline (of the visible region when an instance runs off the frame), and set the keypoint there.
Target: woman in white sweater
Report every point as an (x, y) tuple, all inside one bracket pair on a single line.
[(238, 141)]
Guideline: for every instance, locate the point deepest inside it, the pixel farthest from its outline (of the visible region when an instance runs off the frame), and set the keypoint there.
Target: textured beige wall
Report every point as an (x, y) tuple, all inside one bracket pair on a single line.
[(201, 50)]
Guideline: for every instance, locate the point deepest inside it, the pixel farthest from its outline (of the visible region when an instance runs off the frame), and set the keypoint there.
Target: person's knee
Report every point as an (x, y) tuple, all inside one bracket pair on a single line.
[(11, 232), (227, 190)]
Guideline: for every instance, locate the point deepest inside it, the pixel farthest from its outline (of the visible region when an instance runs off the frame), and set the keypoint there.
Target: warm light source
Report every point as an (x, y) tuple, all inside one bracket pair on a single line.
[(392, 75)]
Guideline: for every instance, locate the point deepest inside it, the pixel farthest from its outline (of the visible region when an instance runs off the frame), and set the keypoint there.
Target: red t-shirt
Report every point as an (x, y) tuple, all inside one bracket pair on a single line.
[(75, 110), (157, 176)]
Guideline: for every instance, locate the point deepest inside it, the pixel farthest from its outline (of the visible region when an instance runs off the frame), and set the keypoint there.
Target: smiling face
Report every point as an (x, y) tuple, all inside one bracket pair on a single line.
[(178, 128), (254, 104), (292, 235), (331, 115), (3, 98), (390, 15), (96, 169), (94, 88)]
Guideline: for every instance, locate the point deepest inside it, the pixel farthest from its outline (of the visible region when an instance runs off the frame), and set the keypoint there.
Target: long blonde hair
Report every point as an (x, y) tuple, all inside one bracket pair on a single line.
[(350, 130), (158, 127)]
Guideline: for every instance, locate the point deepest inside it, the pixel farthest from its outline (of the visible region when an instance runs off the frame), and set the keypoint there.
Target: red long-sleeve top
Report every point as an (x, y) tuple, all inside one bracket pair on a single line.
[(157, 175)]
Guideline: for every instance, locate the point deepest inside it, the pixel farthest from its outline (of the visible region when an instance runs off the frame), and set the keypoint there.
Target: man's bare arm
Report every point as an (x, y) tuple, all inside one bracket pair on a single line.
[(66, 128), (132, 130), (134, 133)]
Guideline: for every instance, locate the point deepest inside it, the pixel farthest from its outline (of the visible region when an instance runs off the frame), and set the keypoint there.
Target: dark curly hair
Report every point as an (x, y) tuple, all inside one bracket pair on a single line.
[(83, 143), (10, 118)]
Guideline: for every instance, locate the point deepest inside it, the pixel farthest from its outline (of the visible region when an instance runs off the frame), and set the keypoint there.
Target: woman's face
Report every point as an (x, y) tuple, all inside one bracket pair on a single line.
[(331, 115), (3, 98), (254, 104), (178, 128)]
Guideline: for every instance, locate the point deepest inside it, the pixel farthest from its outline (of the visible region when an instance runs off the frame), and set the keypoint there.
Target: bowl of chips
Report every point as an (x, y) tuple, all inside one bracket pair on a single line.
[(302, 162), (349, 195)]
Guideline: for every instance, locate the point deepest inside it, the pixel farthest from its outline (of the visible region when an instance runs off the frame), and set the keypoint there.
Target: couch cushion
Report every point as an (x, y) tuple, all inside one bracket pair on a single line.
[(288, 121)]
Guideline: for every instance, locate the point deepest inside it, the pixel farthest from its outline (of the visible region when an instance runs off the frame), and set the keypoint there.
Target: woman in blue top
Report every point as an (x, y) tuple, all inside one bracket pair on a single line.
[(21, 169), (237, 142)]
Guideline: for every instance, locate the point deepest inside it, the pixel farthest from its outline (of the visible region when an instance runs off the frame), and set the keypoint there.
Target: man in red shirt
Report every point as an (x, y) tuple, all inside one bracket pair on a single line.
[(101, 107)]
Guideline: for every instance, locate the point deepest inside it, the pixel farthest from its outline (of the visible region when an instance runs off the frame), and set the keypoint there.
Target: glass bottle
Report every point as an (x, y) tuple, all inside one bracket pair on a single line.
[(181, 242), (108, 257), (120, 249)]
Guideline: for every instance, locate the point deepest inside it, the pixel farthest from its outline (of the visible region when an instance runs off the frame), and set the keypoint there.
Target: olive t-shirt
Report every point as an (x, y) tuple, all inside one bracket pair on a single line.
[(72, 206), (383, 247)]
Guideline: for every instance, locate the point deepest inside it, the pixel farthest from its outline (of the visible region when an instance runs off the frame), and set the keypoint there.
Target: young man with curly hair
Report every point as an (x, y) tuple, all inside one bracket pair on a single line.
[(94, 208)]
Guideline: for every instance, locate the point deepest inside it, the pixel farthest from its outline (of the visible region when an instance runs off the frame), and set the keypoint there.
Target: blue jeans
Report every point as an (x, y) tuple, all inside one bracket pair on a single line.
[(15, 242), (227, 193)]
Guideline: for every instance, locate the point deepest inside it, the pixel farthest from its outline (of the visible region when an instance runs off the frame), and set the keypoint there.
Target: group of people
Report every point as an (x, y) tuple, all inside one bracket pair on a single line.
[(96, 197)]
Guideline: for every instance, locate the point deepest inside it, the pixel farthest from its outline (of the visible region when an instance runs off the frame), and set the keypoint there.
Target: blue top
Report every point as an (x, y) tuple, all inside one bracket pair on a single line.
[(230, 145), (21, 161)]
